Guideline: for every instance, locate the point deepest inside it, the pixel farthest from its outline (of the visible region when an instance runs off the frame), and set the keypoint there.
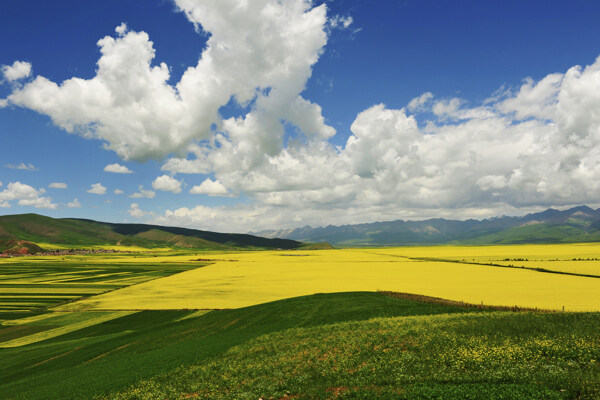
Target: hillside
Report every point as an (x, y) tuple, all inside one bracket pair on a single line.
[(578, 224), (21, 247), (342, 345), (82, 233)]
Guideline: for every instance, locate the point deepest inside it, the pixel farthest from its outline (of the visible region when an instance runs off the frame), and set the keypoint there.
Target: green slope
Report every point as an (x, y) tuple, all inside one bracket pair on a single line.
[(344, 345), (538, 233), (85, 233), (149, 343)]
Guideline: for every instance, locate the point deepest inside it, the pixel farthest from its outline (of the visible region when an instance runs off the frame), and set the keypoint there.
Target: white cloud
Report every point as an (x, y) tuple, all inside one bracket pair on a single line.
[(19, 70), (446, 107), (117, 169), (184, 166), (260, 53), (148, 194), (167, 184), (136, 212), (74, 204), (97, 188), (341, 22), (535, 146), (418, 103), (22, 166), (57, 185), (121, 29), (526, 151), (25, 195), (211, 188), (118, 191)]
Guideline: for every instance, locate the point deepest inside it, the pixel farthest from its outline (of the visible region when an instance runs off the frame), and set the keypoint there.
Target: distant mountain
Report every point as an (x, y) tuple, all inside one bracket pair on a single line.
[(81, 233), (578, 224)]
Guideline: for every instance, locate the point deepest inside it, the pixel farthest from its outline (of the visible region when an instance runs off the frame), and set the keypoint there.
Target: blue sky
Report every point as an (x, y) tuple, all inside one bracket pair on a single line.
[(307, 114)]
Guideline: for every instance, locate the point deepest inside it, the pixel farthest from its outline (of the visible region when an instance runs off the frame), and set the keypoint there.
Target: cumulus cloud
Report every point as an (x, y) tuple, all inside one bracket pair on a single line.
[(211, 188), (97, 188), (19, 70), (57, 185), (121, 29), (259, 53), (141, 193), (117, 169), (74, 204), (22, 166), (25, 195), (118, 191), (199, 165), (528, 147), (418, 103), (524, 150), (136, 212), (167, 184)]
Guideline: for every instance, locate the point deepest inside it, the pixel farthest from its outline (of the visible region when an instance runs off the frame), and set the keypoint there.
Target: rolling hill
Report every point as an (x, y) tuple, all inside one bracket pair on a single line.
[(578, 224), (82, 233)]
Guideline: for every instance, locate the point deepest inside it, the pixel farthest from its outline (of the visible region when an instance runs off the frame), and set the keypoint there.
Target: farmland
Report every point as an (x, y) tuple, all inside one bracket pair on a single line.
[(304, 324), (236, 280), (31, 285)]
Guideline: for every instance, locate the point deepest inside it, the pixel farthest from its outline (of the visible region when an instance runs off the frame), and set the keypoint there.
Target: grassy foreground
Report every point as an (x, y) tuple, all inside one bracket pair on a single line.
[(344, 345)]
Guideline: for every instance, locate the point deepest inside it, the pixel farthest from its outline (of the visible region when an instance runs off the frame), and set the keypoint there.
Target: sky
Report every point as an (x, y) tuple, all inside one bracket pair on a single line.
[(247, 115)]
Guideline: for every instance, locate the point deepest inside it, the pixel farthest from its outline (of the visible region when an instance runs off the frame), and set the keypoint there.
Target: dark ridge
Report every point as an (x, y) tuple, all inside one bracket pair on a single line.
[(233, 239)]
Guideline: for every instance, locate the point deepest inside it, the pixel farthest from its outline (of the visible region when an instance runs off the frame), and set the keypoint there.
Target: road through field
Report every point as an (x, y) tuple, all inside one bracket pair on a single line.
[(243, 279)]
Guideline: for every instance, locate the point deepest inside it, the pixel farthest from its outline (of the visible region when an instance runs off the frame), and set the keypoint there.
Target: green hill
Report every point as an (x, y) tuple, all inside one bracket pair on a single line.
[(344, 345), (85, 233), (13, 246)]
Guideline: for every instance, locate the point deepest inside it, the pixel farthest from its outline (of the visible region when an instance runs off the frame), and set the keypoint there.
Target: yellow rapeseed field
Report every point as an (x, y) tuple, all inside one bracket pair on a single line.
[(244, 279)]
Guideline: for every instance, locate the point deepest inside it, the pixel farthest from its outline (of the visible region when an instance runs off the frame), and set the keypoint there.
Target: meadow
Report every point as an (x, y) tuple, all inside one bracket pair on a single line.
[(304, 324)]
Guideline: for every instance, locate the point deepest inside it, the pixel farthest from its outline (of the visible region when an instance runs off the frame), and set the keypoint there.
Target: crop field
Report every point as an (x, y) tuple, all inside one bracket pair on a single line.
[(33, 284), (236, 280), (303, 324)]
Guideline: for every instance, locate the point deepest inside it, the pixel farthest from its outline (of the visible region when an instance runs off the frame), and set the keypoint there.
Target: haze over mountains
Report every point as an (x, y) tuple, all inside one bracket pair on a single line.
[(578, 224)]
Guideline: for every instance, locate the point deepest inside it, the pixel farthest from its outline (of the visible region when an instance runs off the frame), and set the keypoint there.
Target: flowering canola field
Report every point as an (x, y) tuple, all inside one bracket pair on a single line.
[(451, 272)]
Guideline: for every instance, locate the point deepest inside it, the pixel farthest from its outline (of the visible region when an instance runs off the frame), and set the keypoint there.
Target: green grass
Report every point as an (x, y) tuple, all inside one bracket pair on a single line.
[(149, 343), (496, 355), (33, 285), (344, 345)]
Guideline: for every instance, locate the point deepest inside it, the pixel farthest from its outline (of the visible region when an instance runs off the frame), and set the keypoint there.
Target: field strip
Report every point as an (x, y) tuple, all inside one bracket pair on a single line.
[(35, 318), (52, 333), (490, 264), (253, 278)]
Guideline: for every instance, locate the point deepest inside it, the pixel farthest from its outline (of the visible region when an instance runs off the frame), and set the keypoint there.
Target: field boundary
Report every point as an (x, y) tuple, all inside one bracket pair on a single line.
[(455, 303)]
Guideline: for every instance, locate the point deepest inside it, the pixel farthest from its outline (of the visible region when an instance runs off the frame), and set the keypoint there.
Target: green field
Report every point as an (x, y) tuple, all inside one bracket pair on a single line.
[(29, 286), (348, 345)]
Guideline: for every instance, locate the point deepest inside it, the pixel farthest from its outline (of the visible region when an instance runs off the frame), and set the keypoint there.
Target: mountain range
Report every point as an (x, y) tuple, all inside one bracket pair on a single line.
[(578, 224)]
